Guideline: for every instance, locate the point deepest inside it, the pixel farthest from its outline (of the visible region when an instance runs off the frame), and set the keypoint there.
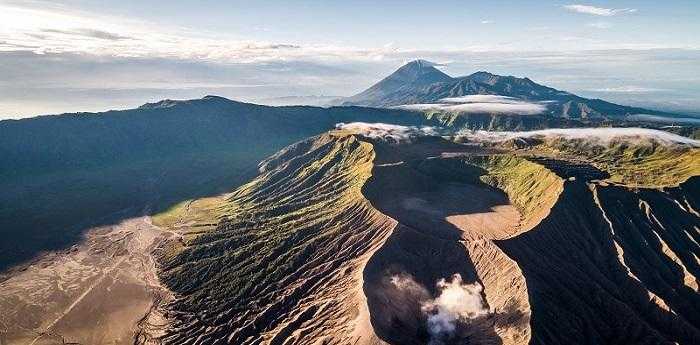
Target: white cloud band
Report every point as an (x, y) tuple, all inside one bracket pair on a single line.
[(598, 11)]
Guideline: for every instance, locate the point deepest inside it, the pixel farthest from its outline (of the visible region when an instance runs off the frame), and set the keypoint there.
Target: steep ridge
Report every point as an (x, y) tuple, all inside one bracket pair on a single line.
[(284, 263)]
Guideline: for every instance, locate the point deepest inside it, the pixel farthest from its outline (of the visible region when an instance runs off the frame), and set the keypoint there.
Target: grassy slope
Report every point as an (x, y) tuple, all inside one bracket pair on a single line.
[(645, 164), (300, 223), (530, 187)]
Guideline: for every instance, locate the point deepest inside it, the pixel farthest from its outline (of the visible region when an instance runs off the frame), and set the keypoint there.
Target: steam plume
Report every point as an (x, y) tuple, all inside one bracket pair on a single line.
[(456, 303)]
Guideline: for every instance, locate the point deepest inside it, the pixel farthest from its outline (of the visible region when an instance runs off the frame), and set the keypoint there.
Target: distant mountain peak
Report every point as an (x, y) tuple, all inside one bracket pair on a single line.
[(168, 103), (419, 72), (216, 98), (482, 74), (419, 82), (420, 63)]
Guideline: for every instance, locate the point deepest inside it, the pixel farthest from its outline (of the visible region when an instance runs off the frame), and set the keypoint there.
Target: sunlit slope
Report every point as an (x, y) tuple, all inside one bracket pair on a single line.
[(630, 156), (530, 186), (288, 258), (643, 163), (284, 262)]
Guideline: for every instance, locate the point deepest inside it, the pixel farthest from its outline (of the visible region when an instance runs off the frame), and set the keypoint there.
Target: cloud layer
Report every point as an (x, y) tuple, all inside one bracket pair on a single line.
[(598, 11), (387, 132), (59, 30), (600, 135), (603, 135), (481, 104)]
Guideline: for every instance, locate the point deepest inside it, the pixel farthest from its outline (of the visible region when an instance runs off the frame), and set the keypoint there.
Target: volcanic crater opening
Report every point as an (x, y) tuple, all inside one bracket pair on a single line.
[(435, 279)]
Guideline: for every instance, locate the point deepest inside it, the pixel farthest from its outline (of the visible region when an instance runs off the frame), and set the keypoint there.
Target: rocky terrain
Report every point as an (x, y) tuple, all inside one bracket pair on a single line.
[(355, 237)]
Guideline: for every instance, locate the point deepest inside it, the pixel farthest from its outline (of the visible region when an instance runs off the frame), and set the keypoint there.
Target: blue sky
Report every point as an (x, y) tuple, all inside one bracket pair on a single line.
[(86, 55)]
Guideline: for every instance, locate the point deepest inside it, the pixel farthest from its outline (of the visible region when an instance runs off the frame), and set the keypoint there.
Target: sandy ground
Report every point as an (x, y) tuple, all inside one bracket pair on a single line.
[(96, 292), (476, 210)]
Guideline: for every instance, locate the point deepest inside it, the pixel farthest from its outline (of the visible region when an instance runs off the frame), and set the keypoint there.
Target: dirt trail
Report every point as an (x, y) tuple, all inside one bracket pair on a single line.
[(96, 292)]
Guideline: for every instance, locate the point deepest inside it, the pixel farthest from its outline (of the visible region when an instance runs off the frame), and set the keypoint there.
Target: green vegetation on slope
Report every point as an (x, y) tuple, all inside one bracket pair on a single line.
[(531, 187), (499, 122), (646, 163)]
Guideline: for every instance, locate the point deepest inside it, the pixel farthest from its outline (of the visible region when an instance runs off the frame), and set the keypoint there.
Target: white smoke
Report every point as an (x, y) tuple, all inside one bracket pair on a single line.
[(602, 136), (387, 132), (481, 104), (456, 303)]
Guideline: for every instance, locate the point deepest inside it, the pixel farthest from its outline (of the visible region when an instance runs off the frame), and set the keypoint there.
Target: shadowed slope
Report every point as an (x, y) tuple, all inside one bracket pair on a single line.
[(581, 264)]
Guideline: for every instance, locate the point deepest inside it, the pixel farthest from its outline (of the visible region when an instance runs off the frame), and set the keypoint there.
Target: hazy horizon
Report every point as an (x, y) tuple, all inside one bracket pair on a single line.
[(83, 55)]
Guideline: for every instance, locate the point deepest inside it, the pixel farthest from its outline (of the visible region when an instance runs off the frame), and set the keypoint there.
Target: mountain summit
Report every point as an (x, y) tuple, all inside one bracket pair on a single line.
[(417, 72), (419, 82), (411, 76)]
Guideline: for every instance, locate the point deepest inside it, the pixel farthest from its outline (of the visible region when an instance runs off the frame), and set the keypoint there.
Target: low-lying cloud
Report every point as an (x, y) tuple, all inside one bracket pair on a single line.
[(481, 104), (600, 135), (664, 119), (628, 89), (86, 32), (480, 99), (390, 133)]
